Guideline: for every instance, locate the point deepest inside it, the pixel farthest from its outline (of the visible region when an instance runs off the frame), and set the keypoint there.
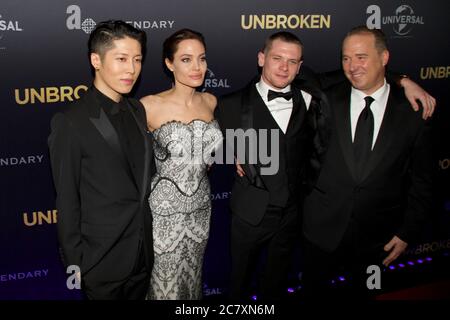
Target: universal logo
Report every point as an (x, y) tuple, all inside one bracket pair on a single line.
[(212, 82), (8, 26), (211, 291), (402, 22), (73, 22)]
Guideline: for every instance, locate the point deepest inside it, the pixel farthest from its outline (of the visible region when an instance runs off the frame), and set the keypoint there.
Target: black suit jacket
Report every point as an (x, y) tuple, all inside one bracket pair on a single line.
[(245, 109), (394, 195), (102, 186)]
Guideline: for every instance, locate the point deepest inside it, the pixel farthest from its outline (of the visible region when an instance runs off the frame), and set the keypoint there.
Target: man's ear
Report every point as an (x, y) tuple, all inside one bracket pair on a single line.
[(385, 57), (261, 59), (299, 65), (96, 61)]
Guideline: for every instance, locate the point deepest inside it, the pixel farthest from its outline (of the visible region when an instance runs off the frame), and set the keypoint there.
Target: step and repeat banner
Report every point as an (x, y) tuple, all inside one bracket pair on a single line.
[(44, 65)]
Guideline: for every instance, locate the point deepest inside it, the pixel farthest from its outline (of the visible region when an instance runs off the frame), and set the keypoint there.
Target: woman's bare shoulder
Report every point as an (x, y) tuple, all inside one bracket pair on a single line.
[(151, 99), (154, 101)]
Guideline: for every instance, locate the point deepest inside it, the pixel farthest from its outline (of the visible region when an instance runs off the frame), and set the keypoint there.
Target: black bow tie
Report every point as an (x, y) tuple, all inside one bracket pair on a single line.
[(277, 94)]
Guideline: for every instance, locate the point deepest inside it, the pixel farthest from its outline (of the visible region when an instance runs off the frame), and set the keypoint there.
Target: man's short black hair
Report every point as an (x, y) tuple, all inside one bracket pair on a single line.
[(101, 39)]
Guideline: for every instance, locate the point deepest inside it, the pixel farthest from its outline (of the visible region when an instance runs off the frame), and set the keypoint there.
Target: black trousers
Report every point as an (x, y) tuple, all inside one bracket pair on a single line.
[(134, 287), (342, 273), (277, 233)]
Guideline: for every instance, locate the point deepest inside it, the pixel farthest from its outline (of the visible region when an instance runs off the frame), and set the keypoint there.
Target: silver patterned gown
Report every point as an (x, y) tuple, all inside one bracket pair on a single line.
[(180, 201)]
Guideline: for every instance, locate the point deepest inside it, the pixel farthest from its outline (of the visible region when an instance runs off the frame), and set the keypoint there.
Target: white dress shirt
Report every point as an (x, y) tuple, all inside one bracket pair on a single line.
[(378, 107), (280, 108)]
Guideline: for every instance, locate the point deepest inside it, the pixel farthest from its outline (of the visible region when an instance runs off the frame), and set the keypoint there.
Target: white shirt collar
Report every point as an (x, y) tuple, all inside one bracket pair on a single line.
[(378, 95)]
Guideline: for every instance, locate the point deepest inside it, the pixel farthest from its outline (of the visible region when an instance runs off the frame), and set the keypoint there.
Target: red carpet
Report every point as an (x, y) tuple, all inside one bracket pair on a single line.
[(433, 291)]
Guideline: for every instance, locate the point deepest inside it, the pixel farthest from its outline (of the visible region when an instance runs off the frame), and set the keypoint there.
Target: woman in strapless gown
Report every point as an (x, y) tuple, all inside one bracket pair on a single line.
[(185, 138)]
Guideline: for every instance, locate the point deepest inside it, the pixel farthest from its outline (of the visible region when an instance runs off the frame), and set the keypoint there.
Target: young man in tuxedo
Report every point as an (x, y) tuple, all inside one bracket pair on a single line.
[(101, 162), (265, 206), (373, 193)]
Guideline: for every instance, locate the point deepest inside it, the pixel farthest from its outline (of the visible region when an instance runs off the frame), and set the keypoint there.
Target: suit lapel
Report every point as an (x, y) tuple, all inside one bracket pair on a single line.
[(101, 122), (250, 102), (341, 109)]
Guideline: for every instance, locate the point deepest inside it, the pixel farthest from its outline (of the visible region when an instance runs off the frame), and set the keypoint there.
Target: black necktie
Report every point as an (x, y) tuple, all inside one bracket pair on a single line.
[(362, 144), (277, 94)]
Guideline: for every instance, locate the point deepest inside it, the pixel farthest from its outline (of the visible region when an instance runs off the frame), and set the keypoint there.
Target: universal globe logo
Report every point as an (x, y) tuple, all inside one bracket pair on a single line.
[(402, 22), (406, 18)]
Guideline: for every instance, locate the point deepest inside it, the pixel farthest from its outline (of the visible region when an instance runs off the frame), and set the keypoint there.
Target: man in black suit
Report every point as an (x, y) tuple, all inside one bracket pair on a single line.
[(101, 161), (374, 189), (265, 202)]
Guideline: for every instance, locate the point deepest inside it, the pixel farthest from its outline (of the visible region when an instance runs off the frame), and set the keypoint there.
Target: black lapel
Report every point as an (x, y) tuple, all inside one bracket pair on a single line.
[(138, 112), (250, 96), (105, 128), (391, 121), (340, 104)]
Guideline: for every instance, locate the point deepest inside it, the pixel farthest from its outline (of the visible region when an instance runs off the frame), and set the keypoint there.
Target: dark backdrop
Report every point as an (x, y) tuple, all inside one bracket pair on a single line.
[(44, 64)]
